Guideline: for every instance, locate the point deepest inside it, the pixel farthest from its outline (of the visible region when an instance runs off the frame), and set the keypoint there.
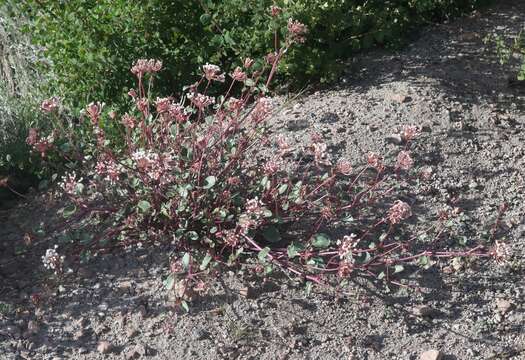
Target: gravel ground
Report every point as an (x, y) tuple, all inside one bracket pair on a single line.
[(473, 139)]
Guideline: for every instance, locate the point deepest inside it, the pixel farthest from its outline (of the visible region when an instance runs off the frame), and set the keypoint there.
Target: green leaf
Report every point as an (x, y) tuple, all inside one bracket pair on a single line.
[(205, 19), (69, 210), (205, 262), (282, 189), (192, 235), (321, 241), (169, 282), (144, 206), (185, 306), (308, 288), (271, 234), (398, 269), (209, 182), (294, 250), (263, 254), (424, 261), (186, 261)]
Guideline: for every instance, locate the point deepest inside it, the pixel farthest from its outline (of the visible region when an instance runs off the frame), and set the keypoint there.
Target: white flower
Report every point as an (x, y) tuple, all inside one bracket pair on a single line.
[(52, 260)]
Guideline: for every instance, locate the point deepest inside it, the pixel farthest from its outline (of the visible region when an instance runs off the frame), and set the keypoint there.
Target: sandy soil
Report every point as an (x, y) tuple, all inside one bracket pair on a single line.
[(474, 140)]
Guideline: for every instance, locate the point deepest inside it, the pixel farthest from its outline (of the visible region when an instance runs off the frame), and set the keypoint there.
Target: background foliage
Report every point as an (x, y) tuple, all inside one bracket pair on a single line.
[(93, 43), (20, 94), (88, 47)]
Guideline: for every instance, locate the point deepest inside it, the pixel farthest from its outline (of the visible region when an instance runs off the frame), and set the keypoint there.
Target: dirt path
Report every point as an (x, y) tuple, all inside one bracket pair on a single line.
[(474, 141)]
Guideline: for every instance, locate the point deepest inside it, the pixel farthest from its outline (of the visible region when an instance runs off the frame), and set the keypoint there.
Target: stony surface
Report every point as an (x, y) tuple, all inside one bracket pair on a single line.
[(474, 141)]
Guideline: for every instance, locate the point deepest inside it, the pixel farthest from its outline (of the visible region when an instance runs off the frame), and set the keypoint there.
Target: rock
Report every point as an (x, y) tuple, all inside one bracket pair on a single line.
[(247, 292), (503, 306), (199, 334), (77, 335), (85, 273), (400, 98), (131, 332), (104, 347), (423, 311), (136, 352), (431, 355), (32, 327), (394, 139)]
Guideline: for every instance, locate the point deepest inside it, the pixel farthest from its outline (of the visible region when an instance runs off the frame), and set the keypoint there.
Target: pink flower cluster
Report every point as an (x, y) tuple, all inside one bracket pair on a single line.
[(201, 101), (143, 66), (239, 75), (109, 169), (262, 110), (297, 30), (50, 105), (346, 245), (40, 145), (375, 161), (404, 160), (213, 73), (156, 167), (94, 110), (398, 212), (410, 132)]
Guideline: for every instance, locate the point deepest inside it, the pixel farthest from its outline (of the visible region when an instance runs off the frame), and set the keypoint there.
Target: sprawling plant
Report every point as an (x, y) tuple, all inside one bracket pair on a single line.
[(204, 174)]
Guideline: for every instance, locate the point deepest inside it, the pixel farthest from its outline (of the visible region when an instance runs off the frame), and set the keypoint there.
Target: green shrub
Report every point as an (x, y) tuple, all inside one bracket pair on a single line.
[(506, 49), (93, 43), (19, 96)]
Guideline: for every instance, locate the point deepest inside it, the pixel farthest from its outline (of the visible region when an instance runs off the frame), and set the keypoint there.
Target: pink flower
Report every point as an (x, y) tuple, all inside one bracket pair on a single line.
[(177, 112), (426, 173), (271, 58), (344, 167), (128, 121), (375, 161), (50, 105), (201, 101), (410, 132), (132, 93), (94, 110), (404, 161), (143, 66), (43, 146), (142, 105), (500, 252), (235, 104), (296, 30), (271, 167), (238, 74), (32, 137), (262, 109), (345, 268), (284, 147), (163, 104), (275, 10), (248, 63), (398, 212), (348, 243), (254, 207), (320, 154), (212, 72), (109, 169)]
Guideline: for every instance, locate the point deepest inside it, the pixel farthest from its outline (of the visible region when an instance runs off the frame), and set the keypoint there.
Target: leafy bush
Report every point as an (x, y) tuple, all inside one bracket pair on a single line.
[(505, 50), (19, 96), (93, 43), (190, 173)]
